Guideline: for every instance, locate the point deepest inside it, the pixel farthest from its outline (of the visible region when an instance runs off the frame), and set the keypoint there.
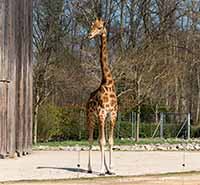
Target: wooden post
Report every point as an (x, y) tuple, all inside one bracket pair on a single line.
[(15, 77), (3, 117)]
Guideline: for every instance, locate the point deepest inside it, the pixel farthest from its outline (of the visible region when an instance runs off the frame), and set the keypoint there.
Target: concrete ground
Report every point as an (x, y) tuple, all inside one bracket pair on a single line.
[(63, 164)]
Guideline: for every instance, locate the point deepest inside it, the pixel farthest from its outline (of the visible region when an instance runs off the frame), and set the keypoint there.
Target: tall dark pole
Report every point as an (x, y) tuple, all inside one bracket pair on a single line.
[(99, 8)]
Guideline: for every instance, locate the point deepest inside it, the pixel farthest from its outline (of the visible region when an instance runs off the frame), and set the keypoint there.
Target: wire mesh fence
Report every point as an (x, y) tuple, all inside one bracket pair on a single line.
[(163, 125), (73, 126)]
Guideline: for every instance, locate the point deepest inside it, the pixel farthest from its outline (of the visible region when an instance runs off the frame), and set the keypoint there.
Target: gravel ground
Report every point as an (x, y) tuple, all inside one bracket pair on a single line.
[(63, 164), (193, 146)]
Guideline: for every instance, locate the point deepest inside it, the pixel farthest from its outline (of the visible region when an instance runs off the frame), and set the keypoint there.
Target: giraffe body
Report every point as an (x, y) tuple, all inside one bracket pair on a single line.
[(102, 102)]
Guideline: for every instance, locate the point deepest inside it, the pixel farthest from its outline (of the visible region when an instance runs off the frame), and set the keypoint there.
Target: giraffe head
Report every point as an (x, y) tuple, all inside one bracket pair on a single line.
[(97, 28)]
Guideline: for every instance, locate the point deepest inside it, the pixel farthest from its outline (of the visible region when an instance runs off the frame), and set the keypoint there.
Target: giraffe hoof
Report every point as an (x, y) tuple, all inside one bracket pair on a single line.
[(102, 174), (89, 171), (110, 173)]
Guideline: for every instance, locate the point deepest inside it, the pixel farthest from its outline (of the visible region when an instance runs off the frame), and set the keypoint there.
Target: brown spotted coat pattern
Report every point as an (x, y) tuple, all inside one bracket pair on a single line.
[(103, 101)]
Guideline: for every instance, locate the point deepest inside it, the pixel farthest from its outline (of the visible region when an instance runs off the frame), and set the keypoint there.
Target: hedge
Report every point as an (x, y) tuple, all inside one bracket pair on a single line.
[(57, 123)]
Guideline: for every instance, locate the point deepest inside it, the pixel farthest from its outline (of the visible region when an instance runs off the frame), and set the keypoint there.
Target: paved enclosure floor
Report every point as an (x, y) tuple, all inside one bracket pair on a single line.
[(63, 164)]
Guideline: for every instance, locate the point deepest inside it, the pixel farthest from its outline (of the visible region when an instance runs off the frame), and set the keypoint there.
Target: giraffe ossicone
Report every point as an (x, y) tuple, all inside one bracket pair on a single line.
[(102, 102)]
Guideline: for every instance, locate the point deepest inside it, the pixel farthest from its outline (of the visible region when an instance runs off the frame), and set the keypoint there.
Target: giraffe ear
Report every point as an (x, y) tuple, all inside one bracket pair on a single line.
[(99, 18)]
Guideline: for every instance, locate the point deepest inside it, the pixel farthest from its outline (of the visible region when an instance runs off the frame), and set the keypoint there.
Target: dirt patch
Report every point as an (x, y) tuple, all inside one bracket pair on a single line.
[(175, 179)]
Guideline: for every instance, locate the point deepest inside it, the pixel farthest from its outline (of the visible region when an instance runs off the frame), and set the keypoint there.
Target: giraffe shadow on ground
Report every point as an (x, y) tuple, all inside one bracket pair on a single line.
[(76, 170)]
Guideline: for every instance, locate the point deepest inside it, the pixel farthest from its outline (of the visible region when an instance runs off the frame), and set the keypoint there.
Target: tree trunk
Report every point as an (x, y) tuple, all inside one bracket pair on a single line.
[(121, 25), (157, 119), (198, 98), (137, 134), (132, 25), (35, 124), (177, 94), (35, 121)]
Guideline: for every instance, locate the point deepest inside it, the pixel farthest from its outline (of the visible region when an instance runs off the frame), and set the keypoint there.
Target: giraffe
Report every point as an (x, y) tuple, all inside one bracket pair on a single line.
[(102, 102)]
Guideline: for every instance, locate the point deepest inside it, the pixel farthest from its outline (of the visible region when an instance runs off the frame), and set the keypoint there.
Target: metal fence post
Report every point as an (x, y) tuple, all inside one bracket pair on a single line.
[(119, 119), (132, 123), (161, 124), (188, 126)]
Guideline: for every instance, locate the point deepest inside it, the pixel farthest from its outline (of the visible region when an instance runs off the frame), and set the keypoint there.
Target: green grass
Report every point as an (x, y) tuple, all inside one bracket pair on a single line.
[(117, 142), (64, 143)]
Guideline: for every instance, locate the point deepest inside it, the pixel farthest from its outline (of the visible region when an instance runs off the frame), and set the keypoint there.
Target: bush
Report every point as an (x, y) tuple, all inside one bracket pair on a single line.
[(195, 131), (49, 118), (123, 129), (57, 124), (147, 130), (72, 124)]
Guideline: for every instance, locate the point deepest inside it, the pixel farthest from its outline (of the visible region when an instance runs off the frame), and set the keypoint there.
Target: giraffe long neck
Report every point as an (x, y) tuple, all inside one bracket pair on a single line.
[(106, 72)]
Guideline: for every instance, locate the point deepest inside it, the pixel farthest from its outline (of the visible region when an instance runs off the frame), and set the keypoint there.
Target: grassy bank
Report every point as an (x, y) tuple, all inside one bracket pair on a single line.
[(118, 142)]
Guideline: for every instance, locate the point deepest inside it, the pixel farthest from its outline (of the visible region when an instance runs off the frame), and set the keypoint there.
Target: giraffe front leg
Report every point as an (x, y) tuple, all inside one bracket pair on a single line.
[(90, 160), (105, 163), (102, 145), (113, 120), (90, 120), (110, 171)]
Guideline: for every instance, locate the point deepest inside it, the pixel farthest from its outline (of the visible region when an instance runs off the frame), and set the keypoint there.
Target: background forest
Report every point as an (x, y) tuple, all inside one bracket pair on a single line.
[(154, 54)]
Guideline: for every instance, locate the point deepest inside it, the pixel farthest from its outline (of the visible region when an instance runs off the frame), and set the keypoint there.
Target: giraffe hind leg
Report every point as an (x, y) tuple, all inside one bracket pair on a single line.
[(110, 141), (102, 141), (90, 122)]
